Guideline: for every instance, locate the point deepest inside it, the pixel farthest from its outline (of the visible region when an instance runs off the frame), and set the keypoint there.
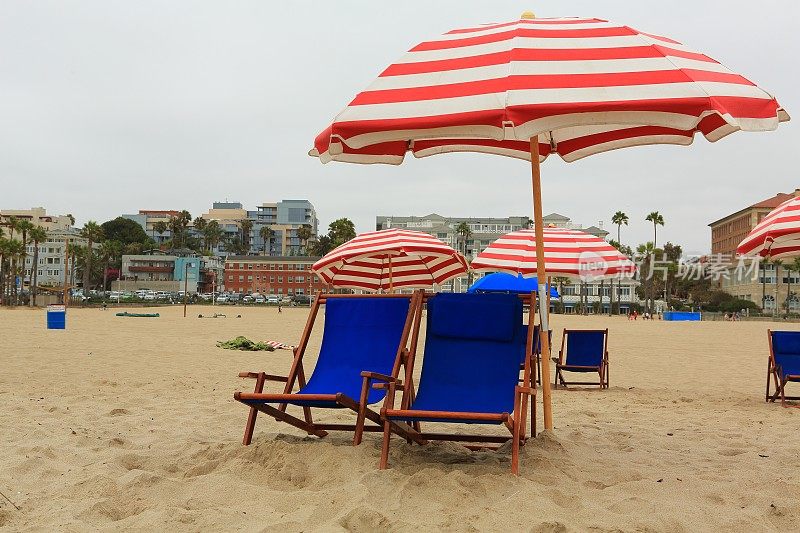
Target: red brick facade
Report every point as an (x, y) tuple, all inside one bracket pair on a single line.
[(271, 275)]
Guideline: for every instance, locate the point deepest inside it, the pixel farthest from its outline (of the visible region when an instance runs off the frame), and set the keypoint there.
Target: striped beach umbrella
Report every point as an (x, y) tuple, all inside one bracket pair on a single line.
[(567, 252), (388, 259), (777, 236), (533, 87)]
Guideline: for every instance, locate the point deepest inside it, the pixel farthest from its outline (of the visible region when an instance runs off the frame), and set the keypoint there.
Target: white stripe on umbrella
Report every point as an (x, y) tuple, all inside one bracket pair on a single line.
[(777, 236), (417, 259), (568, 253)]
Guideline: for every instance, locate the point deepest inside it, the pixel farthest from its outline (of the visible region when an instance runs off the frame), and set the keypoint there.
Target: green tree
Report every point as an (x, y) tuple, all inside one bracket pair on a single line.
[(619, 219), (464, 233), (246, 226), (124, 231), (24, 227), (199, 225), (212, 234), (341, 230), (304, 233), (625, 250), (160, 227), (321, 246), (110, 252), (37, 235), (657, 220), (266, 233), (92, 233)]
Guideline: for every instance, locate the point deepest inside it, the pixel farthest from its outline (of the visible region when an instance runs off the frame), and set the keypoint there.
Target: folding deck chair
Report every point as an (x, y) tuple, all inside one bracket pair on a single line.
[(583, 350), (536, 348), (784, 363), (470, 374), (364, 338)]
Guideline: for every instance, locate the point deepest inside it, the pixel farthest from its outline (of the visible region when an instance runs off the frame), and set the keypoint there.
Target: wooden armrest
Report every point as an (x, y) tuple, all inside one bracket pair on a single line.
[(397, 386), (526, 390), (381, 377), (268, 377)]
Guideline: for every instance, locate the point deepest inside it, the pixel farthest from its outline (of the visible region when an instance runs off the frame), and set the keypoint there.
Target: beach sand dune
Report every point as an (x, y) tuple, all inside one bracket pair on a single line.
[(129, 423)]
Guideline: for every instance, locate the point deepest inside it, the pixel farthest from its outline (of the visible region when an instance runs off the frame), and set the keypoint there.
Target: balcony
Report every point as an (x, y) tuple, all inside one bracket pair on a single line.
[(145, 268)]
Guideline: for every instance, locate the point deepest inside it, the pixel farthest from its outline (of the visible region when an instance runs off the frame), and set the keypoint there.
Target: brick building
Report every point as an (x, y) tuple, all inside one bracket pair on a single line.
[(280, 275), (766, 286)]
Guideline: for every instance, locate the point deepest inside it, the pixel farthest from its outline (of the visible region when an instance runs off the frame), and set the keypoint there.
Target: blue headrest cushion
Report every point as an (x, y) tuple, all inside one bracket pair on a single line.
[(491, 317)]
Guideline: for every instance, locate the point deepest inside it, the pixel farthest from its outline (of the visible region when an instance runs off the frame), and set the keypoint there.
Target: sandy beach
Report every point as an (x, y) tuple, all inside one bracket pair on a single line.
[(129, 423)]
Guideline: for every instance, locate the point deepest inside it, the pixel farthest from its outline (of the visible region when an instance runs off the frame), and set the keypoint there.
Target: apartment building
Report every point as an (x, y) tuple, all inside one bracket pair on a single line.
[(280, 275)]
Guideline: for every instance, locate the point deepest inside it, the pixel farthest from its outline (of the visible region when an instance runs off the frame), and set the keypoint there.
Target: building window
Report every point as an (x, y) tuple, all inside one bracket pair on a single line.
[(230, 278), (301, 279), (241, 278), (280, 279), (249, 278), (290, 279), (272, 279)]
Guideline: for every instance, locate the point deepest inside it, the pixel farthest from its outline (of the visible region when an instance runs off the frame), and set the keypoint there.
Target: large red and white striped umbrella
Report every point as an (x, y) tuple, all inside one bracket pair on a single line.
[(777, 236), (388, 259), (567, 252), (532, 87), (583, 85)]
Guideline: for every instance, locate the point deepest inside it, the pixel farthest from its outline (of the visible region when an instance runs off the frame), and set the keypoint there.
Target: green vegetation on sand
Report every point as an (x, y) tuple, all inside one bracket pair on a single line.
[(243, 343)]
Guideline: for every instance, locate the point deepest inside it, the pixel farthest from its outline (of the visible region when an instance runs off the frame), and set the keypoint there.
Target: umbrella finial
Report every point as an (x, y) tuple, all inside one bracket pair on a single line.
[(527, 15)]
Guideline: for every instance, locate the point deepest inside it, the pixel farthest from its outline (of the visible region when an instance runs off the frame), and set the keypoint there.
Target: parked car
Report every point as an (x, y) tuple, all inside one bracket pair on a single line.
[(273, 300), (222, 299), (301, 299), (259, 299)]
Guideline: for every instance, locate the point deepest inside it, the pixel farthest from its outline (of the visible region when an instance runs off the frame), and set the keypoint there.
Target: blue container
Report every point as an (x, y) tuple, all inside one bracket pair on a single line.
[(56, 317), (681, 315)]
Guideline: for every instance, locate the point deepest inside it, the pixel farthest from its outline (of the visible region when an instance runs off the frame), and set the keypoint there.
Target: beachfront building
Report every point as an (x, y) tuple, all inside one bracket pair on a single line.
[(38, 217), (483, 232), (283, 218), (52, 257), (278, 275), (159, 271), (765, 285), (148, 218)]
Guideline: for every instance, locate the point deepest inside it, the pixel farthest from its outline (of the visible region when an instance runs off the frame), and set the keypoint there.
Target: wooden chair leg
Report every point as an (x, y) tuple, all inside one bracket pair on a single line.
[(516, 437), (769, 376), (362, 412), (250, 426), (387, 435)]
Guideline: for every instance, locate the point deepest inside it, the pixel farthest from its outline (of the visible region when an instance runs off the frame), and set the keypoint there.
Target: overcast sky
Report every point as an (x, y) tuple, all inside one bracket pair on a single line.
[(108, 107)]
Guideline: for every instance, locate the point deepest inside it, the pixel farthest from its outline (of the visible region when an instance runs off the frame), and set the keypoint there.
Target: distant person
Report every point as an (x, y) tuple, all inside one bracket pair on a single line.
[(280, 308), (726, 317)]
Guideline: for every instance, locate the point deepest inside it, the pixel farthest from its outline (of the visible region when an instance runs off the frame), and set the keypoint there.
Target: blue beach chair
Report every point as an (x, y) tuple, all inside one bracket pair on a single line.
[(583, 351), (470, 373), (364, 339), (784, 363)]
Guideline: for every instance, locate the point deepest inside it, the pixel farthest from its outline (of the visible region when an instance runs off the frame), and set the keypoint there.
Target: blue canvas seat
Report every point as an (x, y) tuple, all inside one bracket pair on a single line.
[(364, 339), (583, 351), (784, 363), (470, 371)]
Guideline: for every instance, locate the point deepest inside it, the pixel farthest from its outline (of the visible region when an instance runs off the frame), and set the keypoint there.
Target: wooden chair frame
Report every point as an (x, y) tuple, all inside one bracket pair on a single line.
[(780, 384), (296, 376), (602, 370), (515, 422)]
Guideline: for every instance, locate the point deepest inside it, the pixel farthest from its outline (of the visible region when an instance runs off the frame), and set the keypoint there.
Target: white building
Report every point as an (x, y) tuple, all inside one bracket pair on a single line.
[(52, 257)]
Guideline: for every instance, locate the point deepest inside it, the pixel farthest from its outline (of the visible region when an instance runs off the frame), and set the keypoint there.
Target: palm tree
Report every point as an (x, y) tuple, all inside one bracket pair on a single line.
[(37, 235), (24, 226), (304, 233), (12, 250), (213, 233), (160, 227), (109, 251), (462, 229), (266, 233), (619, 219), (93, 233), (71, 219), (200, 224), (657, 220), (246, 226), (777, 263)]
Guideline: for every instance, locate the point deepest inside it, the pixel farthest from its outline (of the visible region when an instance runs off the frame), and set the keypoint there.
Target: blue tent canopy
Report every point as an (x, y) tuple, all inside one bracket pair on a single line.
[(502, 282)]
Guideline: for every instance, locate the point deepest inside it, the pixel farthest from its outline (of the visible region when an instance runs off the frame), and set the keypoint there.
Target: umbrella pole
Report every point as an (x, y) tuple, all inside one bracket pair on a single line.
[(541, 274)]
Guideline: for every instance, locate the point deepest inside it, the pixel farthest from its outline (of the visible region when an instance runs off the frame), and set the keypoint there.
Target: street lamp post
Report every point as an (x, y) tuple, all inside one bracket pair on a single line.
[(186, 266)]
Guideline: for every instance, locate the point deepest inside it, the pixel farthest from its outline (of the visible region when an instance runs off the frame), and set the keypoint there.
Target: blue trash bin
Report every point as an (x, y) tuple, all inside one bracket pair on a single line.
[(56, 317)]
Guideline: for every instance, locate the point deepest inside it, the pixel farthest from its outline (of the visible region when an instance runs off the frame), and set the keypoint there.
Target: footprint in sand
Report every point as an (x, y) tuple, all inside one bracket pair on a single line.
[(118, 412)]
